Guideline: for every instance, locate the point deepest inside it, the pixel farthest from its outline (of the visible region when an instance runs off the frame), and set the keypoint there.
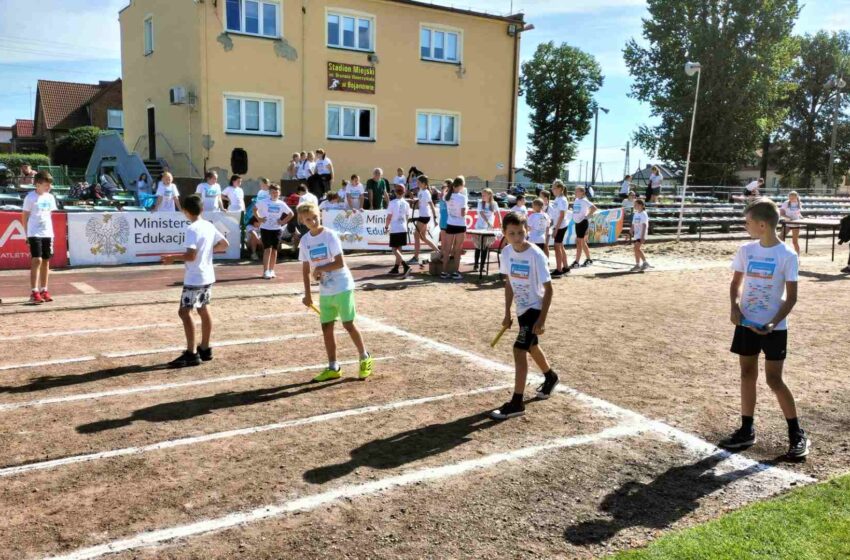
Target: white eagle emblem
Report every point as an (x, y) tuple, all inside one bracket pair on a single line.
[(108, 234), (349, 225)]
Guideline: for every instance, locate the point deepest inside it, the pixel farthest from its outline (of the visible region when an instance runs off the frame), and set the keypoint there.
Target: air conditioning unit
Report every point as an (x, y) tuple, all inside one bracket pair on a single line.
[(177, 95)]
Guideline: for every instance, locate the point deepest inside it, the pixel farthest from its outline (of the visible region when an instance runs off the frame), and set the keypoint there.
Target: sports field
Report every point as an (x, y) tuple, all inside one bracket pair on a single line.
[(106, 453)]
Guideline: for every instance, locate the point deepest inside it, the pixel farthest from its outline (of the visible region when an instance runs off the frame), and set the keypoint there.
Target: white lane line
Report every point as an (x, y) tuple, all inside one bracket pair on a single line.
[(306, 312), (692, 443), (91, 331), (49, 363), (85, 288), (313, 501), (169, 444), (5, 407)]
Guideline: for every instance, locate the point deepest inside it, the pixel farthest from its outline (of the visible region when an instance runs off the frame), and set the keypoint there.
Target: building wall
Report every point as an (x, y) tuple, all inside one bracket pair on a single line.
[(214, 63), (112, 99)]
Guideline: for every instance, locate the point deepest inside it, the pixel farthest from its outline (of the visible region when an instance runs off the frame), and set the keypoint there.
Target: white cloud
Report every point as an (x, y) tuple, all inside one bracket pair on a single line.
[(541, 7)]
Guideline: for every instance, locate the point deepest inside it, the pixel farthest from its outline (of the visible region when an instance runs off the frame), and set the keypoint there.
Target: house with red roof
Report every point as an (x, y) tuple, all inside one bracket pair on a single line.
[(23, 139)]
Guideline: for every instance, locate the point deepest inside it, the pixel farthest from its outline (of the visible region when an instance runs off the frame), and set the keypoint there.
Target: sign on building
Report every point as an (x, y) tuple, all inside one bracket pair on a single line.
[(351, 77)]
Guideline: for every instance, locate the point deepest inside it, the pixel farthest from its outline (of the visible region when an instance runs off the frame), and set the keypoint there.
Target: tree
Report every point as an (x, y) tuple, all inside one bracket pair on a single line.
[(559, 83), (746, 49), (75, 149), (805, 137)]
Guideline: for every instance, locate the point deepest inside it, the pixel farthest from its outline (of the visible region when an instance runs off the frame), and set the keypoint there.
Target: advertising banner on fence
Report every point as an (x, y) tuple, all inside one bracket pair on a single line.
[(14, 251), (106, 238)]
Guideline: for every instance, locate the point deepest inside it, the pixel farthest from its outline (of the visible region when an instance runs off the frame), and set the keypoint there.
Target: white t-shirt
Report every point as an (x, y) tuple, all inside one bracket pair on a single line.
[(308, 197), (655, 181), (624, 187), (486, 213), (39, 224), (581, 206), (400, 211), (209, 194), (527, 272), (320, 250), (638, 221), (249, 229), (424, 198), (455, 206), (520, 210), (400, 180), (766, 269), (202, 236), (355, 192), (793, 210), (236, 196), (323, 166), (628, 204), (538, 225), (273, 211), (263, 195), (305, 169), (752, 186), (169, 194), (560, 205)]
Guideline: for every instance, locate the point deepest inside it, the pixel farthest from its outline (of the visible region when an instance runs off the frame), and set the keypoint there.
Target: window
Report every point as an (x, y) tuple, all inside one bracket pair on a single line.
[(350, 31), (115, 119), (253, 115), (351, 123), (440, 45), (253, 17), (148, 35), (437, 128)]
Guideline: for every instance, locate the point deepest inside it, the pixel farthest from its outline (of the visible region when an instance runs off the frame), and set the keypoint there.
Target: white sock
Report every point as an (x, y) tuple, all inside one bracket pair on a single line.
[(364, 355), (334, 366), (35, 290)]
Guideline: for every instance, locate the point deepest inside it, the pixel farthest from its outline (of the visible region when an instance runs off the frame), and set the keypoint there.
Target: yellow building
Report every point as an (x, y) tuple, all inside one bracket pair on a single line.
[(376, 83)]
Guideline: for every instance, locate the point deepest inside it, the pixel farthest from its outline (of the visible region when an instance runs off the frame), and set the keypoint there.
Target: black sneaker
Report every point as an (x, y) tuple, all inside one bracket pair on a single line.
[(556, 273), (205, 355), (508, 410), (186, 359), (799, 447), (546, 388), (565, 271), (742, 438), (393, 270), (575, 265), (405, 269), (588, 262)]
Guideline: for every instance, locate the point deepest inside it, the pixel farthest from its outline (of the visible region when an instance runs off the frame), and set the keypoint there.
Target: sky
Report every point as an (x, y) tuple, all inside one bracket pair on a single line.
[(83, 45)]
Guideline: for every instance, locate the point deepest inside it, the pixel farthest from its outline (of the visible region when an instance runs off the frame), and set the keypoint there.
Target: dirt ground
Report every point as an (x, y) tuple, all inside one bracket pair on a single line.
[(248, 431)]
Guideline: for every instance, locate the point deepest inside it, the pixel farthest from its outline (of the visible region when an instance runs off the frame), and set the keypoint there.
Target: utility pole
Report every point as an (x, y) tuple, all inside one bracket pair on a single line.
[(837, 84), (596, 109), (626, 166)]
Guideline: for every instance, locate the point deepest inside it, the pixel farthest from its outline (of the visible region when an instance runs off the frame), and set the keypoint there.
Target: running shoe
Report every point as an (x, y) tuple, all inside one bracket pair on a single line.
[(414, 260), (327, 375), (575, 264), (186, 359), (366, 367), (457, 276), (588, 262), (645, 266), (35, 298), (205, 355), (45, 296), (393, 270), (546, 388), (799, 445), (556, 273), (508, 410), (444, 276), (636, 268), (740, 439)]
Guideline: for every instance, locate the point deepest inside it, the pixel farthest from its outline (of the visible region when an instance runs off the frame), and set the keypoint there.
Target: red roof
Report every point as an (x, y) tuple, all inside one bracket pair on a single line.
[(24, 128), (64, 103)]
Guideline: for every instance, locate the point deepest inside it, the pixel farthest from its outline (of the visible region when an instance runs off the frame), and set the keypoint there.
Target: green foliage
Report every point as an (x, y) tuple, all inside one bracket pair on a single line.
[(746, 49), (558, 83), (75, 149), (15, 161)]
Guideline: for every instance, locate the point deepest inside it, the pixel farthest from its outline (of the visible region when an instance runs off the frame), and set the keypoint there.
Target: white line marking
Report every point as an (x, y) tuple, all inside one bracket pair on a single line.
[(85, 288), (165, 387), (49, 363), (91, 331), (304, 313), (310, 502), (219, 344), (692, 443), (43, 465)]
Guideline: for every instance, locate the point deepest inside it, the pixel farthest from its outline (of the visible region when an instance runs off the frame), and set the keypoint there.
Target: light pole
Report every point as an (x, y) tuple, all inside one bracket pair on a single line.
[(596, 109), (691, 68), (835, 83)]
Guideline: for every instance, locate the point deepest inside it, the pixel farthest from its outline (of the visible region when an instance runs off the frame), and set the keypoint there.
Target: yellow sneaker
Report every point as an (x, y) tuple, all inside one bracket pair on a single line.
[(327, 375), (366, 367)]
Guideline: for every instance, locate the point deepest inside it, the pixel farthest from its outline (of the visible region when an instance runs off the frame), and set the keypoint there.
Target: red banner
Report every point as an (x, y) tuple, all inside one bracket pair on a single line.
[(14, 251)]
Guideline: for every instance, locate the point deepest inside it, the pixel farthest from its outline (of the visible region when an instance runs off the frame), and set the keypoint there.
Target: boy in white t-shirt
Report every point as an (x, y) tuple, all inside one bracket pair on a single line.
[(273, 214), (538, 226), (529, 285), (355, 193), (202, 240), (210, 192), (519, 205), (640, 231), (763, 292), (38, 208), (398, 213), (167, 195), (322, 258)]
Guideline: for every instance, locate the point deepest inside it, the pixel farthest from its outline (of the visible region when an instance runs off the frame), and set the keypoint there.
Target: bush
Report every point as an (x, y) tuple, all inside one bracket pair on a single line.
[(75, 149), (15, 161)]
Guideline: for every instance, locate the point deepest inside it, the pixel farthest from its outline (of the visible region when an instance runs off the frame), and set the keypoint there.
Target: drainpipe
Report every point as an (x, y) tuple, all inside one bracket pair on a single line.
[(514, 100), (303, 70)]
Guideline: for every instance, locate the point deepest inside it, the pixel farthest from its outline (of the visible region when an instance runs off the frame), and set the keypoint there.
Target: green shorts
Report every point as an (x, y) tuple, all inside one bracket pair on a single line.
[(338, 306)]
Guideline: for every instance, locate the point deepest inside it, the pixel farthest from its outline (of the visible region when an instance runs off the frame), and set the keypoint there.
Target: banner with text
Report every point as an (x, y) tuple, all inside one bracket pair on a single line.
[(14, 250)]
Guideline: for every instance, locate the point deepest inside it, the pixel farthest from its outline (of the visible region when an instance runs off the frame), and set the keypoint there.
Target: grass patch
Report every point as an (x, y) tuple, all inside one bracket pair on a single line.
[(810, 523)]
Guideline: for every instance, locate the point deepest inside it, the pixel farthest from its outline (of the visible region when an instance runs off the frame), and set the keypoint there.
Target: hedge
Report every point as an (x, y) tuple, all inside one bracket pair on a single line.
[(15, 161)]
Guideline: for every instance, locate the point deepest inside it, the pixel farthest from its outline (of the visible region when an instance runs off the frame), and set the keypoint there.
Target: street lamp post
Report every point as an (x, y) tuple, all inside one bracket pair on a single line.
[(837, 84), (691, 68), (596, 109)]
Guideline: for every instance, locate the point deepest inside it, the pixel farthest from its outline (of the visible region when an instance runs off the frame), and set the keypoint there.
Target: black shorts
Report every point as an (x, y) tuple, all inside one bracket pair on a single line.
[(526, 338), (270, 238), (749, 343), (398, 240), (424, 219), (454, 230), (559, 235), (581, 229), (40, 247)]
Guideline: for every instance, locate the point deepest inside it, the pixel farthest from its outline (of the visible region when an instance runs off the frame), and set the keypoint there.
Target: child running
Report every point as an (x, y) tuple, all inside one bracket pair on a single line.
[(560, 225), (456, 207), (398, 213), (427, 211), (538, 227), (322, 257), (792, 209), (582, 210), (530, 287), (486, 219), (202, 240), (640, 231), (273, 214), (767, 270), (38, 208)]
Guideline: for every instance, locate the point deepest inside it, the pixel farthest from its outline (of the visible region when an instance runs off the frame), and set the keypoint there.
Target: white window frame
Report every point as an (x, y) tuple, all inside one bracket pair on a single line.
[(341, 13), (260, 98), (432, 27), (242, 16), (440, 113), (148, 24), (349, 105), (112, 112)]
